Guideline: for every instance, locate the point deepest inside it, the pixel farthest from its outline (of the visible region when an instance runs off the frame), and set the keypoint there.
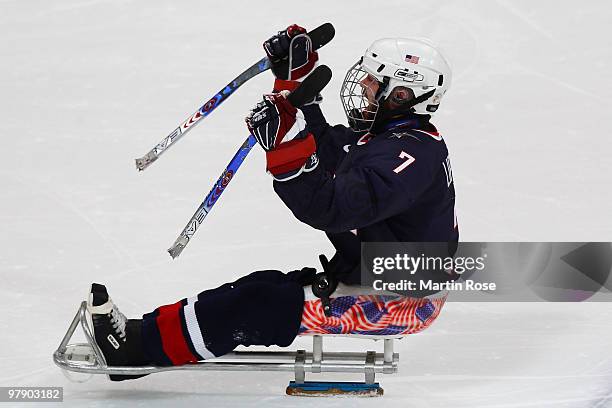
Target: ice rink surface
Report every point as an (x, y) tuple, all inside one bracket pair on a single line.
[(87, 86)]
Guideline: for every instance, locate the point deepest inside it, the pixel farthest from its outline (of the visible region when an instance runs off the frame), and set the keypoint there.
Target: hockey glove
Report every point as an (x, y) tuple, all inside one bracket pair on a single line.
[(291, 56), (280, 130)]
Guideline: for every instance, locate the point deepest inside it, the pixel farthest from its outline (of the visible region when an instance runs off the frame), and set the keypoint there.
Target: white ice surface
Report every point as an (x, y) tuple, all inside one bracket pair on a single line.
[(87, 86)]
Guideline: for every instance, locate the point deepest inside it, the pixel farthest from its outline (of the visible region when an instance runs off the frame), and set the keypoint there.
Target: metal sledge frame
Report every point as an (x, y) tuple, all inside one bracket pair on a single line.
[(88, 358)]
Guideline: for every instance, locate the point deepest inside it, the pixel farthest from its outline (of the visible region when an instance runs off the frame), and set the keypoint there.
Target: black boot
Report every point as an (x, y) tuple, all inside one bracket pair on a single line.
[(119, 339)]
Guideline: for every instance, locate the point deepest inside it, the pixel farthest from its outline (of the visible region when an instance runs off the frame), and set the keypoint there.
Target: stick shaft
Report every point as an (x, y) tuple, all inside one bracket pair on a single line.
[(212, 197), (195, 118)]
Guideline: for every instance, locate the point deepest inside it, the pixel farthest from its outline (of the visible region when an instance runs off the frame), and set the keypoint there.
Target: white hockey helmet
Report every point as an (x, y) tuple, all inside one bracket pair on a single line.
[(410, 63)]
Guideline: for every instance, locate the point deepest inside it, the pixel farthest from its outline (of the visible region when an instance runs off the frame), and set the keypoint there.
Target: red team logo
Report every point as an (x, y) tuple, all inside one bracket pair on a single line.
[(227, 177), (209, 105), (221, 184)]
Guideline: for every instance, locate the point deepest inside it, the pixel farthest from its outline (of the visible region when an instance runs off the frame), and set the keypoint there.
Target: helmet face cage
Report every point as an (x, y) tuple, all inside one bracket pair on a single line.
[(359, 109)]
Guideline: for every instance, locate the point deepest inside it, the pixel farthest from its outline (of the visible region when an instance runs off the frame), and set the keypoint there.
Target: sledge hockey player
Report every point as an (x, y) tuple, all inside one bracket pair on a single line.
[(387, 178)]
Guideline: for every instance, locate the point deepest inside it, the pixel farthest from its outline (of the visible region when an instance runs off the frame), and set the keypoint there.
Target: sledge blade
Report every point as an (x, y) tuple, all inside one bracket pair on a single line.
[(328, 389)]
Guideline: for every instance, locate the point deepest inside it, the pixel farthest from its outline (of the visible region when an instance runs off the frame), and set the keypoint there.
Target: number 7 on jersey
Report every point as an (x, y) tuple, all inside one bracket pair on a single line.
[(408, 162)]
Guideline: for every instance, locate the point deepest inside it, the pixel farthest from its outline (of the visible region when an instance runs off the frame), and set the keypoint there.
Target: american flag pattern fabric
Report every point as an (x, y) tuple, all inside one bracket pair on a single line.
[(412, 59), (372, 315)]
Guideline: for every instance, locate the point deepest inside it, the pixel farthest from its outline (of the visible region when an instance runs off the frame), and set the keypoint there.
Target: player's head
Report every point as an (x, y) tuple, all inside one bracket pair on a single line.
[(395, 76)]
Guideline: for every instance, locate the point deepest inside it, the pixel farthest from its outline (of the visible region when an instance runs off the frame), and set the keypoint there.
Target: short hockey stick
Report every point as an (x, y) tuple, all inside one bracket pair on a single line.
[(212, 197), (307, 91), (319, 37)]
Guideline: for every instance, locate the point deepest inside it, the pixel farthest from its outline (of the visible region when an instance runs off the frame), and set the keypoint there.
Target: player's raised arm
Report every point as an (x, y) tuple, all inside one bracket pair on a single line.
[(292, 59)]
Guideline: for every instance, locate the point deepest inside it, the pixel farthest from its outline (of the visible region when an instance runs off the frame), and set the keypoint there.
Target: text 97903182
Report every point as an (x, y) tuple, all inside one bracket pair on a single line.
[(30, 394)]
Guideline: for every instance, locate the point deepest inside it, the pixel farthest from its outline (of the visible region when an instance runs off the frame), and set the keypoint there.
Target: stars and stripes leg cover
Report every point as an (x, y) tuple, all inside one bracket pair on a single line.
[(263, 308), (373, 315)]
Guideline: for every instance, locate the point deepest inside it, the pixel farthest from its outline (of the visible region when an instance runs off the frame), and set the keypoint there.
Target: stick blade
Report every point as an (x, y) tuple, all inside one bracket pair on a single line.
[(327, 389), (146, 160), (311, 86), (178, 246), (322, 35)]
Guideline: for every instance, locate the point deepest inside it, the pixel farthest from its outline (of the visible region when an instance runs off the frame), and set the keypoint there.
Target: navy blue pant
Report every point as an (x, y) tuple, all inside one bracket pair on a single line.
[(263, 308)]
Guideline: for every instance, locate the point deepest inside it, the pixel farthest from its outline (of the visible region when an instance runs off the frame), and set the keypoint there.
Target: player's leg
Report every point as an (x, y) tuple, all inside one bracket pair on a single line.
[(263, 308)]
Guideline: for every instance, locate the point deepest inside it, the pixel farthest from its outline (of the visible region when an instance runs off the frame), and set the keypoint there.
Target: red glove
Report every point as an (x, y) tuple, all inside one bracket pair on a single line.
[(280, 130)]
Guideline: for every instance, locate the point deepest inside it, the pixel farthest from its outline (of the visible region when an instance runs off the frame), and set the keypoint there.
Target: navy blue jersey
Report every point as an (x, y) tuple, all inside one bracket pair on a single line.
[(394, 186)]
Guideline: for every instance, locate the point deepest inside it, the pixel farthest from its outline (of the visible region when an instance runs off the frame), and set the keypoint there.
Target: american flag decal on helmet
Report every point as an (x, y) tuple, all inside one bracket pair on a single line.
[(373, 315), (412, 59)]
